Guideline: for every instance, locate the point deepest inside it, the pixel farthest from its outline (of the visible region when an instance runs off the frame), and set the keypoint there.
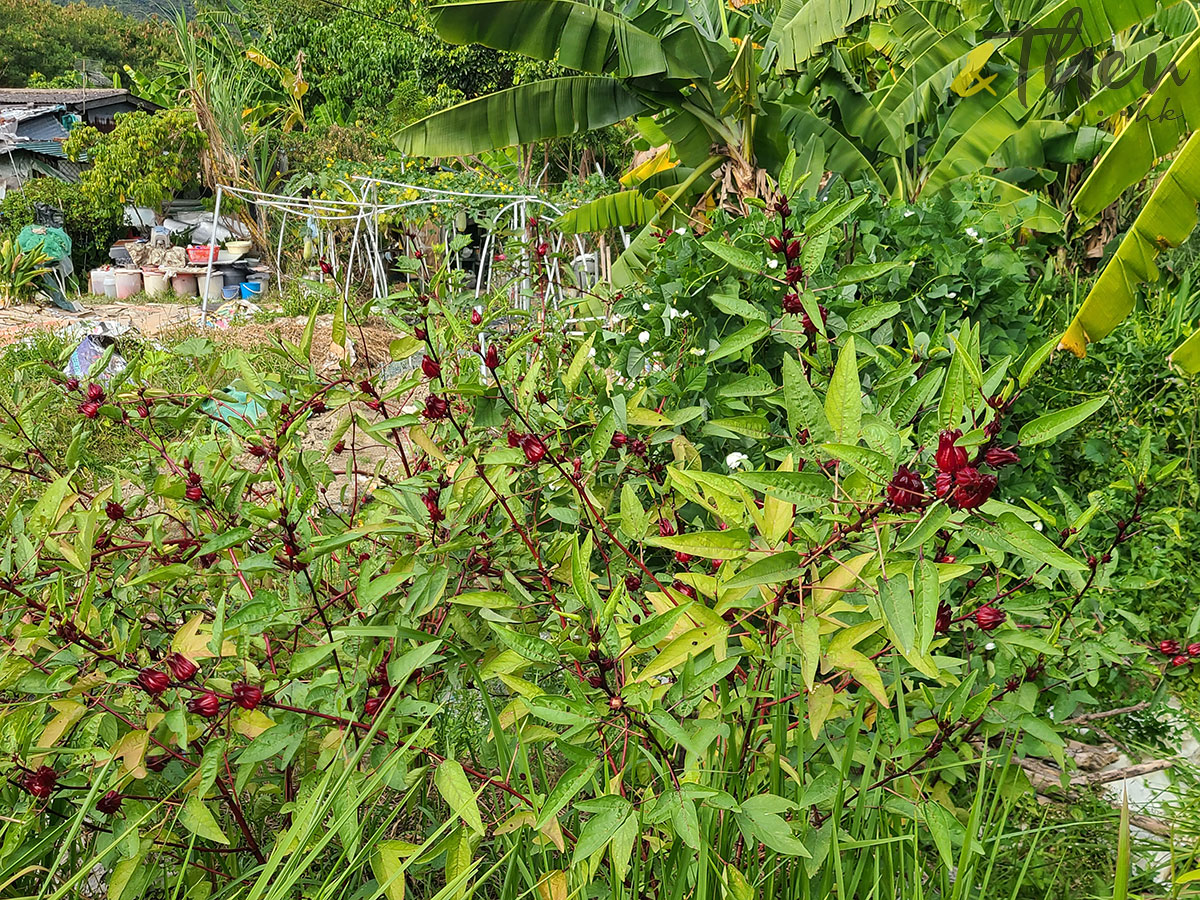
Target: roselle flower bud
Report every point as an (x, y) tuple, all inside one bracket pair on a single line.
[(906, 490), (326, 268), (41, 782), (158, 762), (72, 383), (476, 318), (1180, 661), (95, 392), (793, 274), (534, 448), (543, 248), (971, 488), (633, 582), (942, 484), (619, 440), (109, 803), (194, 492), (792, 305), (491, 358), (182, 668), (776, 244), (1168, 647), (941, 624), (1193, 649), (114, 510), (247, 696), (682, 558), (372, 705), (782, 207), (89, 408), (153, 681), (542, 397), (792, 251), (666, 528), (950, 458), (988, 617), (207, 705), (419, 333), (436, 407), (431, 367), (637, 447), (430, 499), (143, 412), (998, 458), (807, 323), (686, 589)]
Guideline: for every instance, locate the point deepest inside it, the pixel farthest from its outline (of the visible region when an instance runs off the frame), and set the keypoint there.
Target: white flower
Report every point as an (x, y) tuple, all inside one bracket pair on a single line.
[(591, 352), (952, 294), (643, 337), (617, 318), (772, 264), (1038, 525), (697, 351), (681, 231), (734, 460), (990, 645), (672, 312), (685, 314), (646, 307), (909, 212), (971, 232)]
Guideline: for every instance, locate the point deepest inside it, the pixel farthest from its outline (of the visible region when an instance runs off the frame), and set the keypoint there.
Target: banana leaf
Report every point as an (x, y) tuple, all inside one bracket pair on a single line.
[(1186, 357), (803, 27), (528, 112), (1166, 220), (622, 209)]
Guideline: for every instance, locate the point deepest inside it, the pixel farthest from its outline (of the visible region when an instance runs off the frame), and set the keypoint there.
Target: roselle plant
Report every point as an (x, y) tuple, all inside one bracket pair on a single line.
[(690, 625)]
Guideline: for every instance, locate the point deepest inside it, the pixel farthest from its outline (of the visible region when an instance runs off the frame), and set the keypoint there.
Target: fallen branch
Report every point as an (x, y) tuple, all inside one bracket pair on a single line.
[(1107, 713)]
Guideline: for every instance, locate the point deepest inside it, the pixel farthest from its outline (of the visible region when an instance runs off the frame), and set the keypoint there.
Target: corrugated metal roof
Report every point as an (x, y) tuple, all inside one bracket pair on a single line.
[(61, 95), (24, 113)]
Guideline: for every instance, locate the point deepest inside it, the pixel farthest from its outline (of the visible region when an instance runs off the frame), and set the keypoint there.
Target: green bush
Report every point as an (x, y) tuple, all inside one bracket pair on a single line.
[(92, 222)]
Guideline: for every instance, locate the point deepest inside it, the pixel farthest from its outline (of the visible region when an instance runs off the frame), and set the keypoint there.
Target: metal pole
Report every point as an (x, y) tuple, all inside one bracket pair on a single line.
[(212, 243)]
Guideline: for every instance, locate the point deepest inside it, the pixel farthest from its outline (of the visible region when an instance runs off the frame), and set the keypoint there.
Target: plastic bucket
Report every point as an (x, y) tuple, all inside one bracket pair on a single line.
[(128, 283), (251, 290), (96, 281), (110, 286), (212, 288), (230, 291), (185, 285), (156, 283)]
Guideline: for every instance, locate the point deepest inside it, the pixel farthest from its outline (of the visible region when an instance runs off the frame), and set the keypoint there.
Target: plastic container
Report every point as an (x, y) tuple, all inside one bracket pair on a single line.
[(185, 285), (128, 282), (251, 290), (96, 281), (231, 291), (199, 254), (211, 289), (262, 278), (156, 282), (110, 286)]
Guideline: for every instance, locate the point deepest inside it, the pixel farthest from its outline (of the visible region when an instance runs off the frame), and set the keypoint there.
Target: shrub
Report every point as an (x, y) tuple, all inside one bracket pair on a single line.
[(92, 222), (575, 621)]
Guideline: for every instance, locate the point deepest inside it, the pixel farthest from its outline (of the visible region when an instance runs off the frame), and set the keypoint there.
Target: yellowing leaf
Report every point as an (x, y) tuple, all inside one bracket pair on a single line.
[(193, 638), (690, 643), (69, 712), (418, 436), (198, 819), (553, 886), (250, 723), (820, 702), (132, 749)]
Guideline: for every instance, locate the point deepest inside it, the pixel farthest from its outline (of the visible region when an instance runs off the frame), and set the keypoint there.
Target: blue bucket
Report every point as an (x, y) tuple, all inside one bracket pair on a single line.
[(231, 292), (251, 289)]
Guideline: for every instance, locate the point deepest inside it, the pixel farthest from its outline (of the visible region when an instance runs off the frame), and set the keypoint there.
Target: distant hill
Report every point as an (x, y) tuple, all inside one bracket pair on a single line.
[(138, 9)]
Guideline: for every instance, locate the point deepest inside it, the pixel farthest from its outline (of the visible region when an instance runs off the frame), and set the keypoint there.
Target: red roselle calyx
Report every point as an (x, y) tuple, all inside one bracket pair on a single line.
[(682, 558), (182, 668), (476, 318), (972, 488), (1180, 661), (619, 440), (792, 305), (906, 490), (988, 617), (41, 782), (686, 589), (89, 408), (807, 323), (373, 705), (431, 367), (534, 448), (109, 803), (436, 407), (430, 499), (207, 705), (153, 681), (419, 334), (247, 696), (998, 458), (792, 250), (941, 623), (1168, 647), (491, 358), (543, 248), (194, 492), (776, 244), (72, 383), (114, 510), (666, 528), (633, 582), (950, 458), (515, 438), (95, 392), (1193, 649)]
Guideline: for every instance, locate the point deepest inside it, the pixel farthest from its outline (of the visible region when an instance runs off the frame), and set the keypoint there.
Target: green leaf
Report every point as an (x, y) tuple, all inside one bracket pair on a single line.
[(387, 865), (657, 627), (760, 819), (452, 784), (730, 544), (624, 209), (196, 818), (1032, 543), (735, 256), (803, 406), (804, 490), (634, 518), (740, 340), (1047, 427), (485, 599), (774, 569), (530, 646), (687, 645), (603, 435), (843, 403), (582, 355), (870, 462), (750, 426), (224, 540), (570, 784), (856, 272), (532, 111), (310, 656)]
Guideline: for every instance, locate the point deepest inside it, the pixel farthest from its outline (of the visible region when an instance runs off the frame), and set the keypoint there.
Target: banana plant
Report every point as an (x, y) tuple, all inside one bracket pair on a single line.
[(19, 271)]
